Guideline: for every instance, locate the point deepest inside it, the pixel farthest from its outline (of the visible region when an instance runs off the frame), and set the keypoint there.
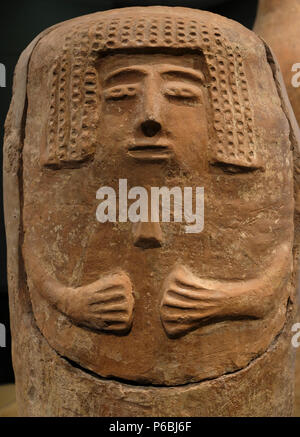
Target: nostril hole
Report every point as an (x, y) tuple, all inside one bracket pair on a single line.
[(150, 128)]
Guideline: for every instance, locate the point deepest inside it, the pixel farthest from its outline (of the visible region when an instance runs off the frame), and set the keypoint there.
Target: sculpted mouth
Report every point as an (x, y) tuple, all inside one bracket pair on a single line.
[(149, 151)]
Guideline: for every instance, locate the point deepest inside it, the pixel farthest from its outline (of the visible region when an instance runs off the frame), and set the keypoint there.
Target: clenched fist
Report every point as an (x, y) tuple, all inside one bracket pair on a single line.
[(106, 304), (188, 301)]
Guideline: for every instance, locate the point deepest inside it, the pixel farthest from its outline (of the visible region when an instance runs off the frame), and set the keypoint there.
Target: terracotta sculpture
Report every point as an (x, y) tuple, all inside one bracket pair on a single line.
[(110, 316), (278, 24)]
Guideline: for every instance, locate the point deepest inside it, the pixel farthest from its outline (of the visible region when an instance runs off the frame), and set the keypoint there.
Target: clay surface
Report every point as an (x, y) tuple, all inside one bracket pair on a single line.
[(278, 24), (151, 97)]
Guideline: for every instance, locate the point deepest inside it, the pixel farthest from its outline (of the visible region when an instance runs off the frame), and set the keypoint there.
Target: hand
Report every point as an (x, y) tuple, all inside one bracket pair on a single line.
[(106, 304), (188, 301)]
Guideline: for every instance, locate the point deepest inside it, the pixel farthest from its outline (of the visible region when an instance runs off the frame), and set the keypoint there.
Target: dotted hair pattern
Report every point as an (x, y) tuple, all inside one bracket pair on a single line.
[(74, 102), (74, 94)]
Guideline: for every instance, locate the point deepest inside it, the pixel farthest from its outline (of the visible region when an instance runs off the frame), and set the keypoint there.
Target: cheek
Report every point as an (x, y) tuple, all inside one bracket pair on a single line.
[(188, 130), (115, 122), (187, 122), (119, 118)]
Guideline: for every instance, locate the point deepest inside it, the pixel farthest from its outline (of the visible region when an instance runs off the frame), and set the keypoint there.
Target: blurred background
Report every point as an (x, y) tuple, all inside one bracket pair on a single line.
[(20, 22)]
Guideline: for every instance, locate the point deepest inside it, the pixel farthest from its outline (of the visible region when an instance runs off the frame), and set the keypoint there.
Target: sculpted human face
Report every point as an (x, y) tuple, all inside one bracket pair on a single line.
[(155, 128), (103, 105), (153, 108)]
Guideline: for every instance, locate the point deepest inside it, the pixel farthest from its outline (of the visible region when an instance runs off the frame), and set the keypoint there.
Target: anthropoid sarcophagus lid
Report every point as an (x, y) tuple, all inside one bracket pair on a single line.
[(150, 217)]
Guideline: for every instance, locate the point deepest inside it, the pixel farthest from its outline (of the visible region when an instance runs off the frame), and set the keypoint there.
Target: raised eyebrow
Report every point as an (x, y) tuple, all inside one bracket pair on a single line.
[(188, 73), (122, 71)]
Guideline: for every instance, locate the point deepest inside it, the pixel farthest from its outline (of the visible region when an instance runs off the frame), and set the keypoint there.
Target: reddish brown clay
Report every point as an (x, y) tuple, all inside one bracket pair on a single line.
[(277, 23), (112, 318)]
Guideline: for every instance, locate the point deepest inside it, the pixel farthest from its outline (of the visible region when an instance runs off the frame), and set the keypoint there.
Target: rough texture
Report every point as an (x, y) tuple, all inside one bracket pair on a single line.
[(263, 388), (277, 23), (138, 311)]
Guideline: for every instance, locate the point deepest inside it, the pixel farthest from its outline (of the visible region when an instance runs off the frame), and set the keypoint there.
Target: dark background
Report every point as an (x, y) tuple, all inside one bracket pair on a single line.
[(20, 22)]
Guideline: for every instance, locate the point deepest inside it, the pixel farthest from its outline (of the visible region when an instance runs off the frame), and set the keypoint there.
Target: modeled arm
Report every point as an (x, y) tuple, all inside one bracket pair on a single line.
[(106, 304), (189, 301)]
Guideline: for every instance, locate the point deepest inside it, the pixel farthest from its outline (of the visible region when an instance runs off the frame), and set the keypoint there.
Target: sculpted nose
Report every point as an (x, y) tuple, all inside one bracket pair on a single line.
[(150, 128), (150, 123)]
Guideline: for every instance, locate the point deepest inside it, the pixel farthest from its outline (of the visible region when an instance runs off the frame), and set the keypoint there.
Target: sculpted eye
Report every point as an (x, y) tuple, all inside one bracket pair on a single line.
[(182, 91), (120, 92)]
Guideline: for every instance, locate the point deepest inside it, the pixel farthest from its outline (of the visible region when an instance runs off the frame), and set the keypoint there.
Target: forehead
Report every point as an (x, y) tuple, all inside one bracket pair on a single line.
[(111, 63)]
